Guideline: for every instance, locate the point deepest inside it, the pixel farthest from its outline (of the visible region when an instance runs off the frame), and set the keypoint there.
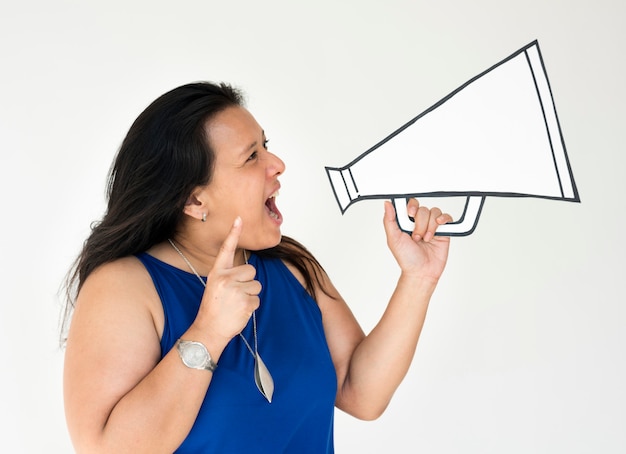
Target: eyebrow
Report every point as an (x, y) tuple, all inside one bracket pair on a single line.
[(253, 144)]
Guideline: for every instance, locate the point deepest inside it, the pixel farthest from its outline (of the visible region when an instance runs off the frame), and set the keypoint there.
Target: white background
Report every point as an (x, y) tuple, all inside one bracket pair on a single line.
[(524, 346)]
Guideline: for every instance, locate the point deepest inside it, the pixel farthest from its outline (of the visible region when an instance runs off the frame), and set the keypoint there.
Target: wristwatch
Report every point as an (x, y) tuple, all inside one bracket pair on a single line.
[(195, 355)]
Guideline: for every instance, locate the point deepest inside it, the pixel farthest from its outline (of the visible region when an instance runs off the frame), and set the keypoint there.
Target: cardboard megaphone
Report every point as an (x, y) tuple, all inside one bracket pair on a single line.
[(496, 135)]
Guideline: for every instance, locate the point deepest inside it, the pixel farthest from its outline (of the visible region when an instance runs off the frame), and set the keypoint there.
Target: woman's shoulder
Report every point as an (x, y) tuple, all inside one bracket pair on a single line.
[(118, 272), (120, 285), (301, 262)]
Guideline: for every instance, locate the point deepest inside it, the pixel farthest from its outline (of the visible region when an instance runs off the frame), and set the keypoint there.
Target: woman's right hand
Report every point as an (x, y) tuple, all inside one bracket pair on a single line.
[(231, 294)]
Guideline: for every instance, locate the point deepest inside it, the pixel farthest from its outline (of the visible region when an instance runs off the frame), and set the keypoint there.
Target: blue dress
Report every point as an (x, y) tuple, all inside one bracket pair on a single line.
[(235, 417)]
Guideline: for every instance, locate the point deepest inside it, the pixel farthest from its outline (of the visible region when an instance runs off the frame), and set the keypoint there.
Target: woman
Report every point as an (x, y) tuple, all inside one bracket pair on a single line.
[(196, 326)]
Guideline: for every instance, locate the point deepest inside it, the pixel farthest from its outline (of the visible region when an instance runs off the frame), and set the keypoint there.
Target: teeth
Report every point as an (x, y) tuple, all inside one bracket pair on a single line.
[(270, 205)]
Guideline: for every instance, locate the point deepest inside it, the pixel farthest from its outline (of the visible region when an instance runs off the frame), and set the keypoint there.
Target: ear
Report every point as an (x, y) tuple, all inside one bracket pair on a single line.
[(194, 206)]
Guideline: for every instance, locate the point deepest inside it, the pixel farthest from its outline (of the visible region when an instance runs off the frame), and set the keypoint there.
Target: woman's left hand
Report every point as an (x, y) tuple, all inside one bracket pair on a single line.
[(421, 254)]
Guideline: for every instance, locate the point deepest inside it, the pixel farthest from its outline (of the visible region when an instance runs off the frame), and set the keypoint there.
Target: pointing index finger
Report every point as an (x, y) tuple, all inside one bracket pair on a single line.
[(226, 256)]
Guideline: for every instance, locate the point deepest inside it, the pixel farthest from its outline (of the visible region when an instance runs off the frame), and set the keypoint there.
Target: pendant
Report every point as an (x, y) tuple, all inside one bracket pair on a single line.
[(263, 378)]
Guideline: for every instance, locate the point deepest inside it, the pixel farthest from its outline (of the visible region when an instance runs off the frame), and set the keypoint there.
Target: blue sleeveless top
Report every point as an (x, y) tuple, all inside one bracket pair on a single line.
[(235, 417)]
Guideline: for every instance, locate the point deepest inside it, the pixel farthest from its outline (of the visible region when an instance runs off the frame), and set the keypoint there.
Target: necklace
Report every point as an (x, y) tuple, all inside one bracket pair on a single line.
[(262, 377)]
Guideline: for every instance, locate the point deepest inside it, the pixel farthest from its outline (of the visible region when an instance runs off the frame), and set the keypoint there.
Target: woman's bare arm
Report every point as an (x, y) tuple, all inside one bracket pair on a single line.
[(370, 368), (119, 396)]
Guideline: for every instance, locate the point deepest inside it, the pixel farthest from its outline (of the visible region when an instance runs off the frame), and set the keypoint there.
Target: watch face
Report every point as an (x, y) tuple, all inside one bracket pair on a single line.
[(195, 355)]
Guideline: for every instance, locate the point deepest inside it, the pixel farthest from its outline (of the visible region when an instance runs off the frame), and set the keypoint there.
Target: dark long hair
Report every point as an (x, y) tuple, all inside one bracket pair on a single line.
[(164, 156)]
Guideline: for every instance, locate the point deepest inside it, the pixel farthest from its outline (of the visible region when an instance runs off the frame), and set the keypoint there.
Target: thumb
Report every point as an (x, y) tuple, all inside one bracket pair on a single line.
[(226, 255), (389, 221)]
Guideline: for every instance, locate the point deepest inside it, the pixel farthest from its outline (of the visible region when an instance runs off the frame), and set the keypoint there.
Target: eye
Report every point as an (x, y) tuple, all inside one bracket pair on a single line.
[(265, 142), (253, 156)]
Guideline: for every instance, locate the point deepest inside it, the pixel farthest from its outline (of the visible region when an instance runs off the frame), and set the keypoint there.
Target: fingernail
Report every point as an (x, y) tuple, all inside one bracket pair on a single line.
[(237, 222)]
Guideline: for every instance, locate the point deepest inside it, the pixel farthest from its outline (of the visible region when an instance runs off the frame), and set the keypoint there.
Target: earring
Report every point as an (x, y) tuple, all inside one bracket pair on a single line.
[(203, 217)]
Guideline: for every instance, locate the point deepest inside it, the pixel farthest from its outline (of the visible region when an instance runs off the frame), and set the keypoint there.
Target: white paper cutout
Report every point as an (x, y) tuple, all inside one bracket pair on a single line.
[(496, 135)]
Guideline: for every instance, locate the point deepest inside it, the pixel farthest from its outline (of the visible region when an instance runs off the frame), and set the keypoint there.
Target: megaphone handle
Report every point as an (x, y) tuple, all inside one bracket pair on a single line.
[(463, 227)]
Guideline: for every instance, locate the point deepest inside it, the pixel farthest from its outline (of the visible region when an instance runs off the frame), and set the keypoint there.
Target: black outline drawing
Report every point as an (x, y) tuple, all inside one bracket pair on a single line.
[(544, 138)]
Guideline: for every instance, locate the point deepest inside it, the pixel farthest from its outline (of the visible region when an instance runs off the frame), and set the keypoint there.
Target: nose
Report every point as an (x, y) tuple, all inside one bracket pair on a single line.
[(276, 165)]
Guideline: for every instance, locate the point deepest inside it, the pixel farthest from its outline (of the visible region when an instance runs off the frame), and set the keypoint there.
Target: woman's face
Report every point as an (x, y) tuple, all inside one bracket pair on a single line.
[(244, 181)]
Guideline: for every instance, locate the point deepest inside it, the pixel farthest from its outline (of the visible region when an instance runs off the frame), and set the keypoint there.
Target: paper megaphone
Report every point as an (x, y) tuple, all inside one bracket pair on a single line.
[(496, 135)]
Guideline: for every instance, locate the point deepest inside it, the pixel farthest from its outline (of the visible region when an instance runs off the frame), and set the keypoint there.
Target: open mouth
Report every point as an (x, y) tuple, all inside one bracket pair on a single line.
[(270, 204)]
